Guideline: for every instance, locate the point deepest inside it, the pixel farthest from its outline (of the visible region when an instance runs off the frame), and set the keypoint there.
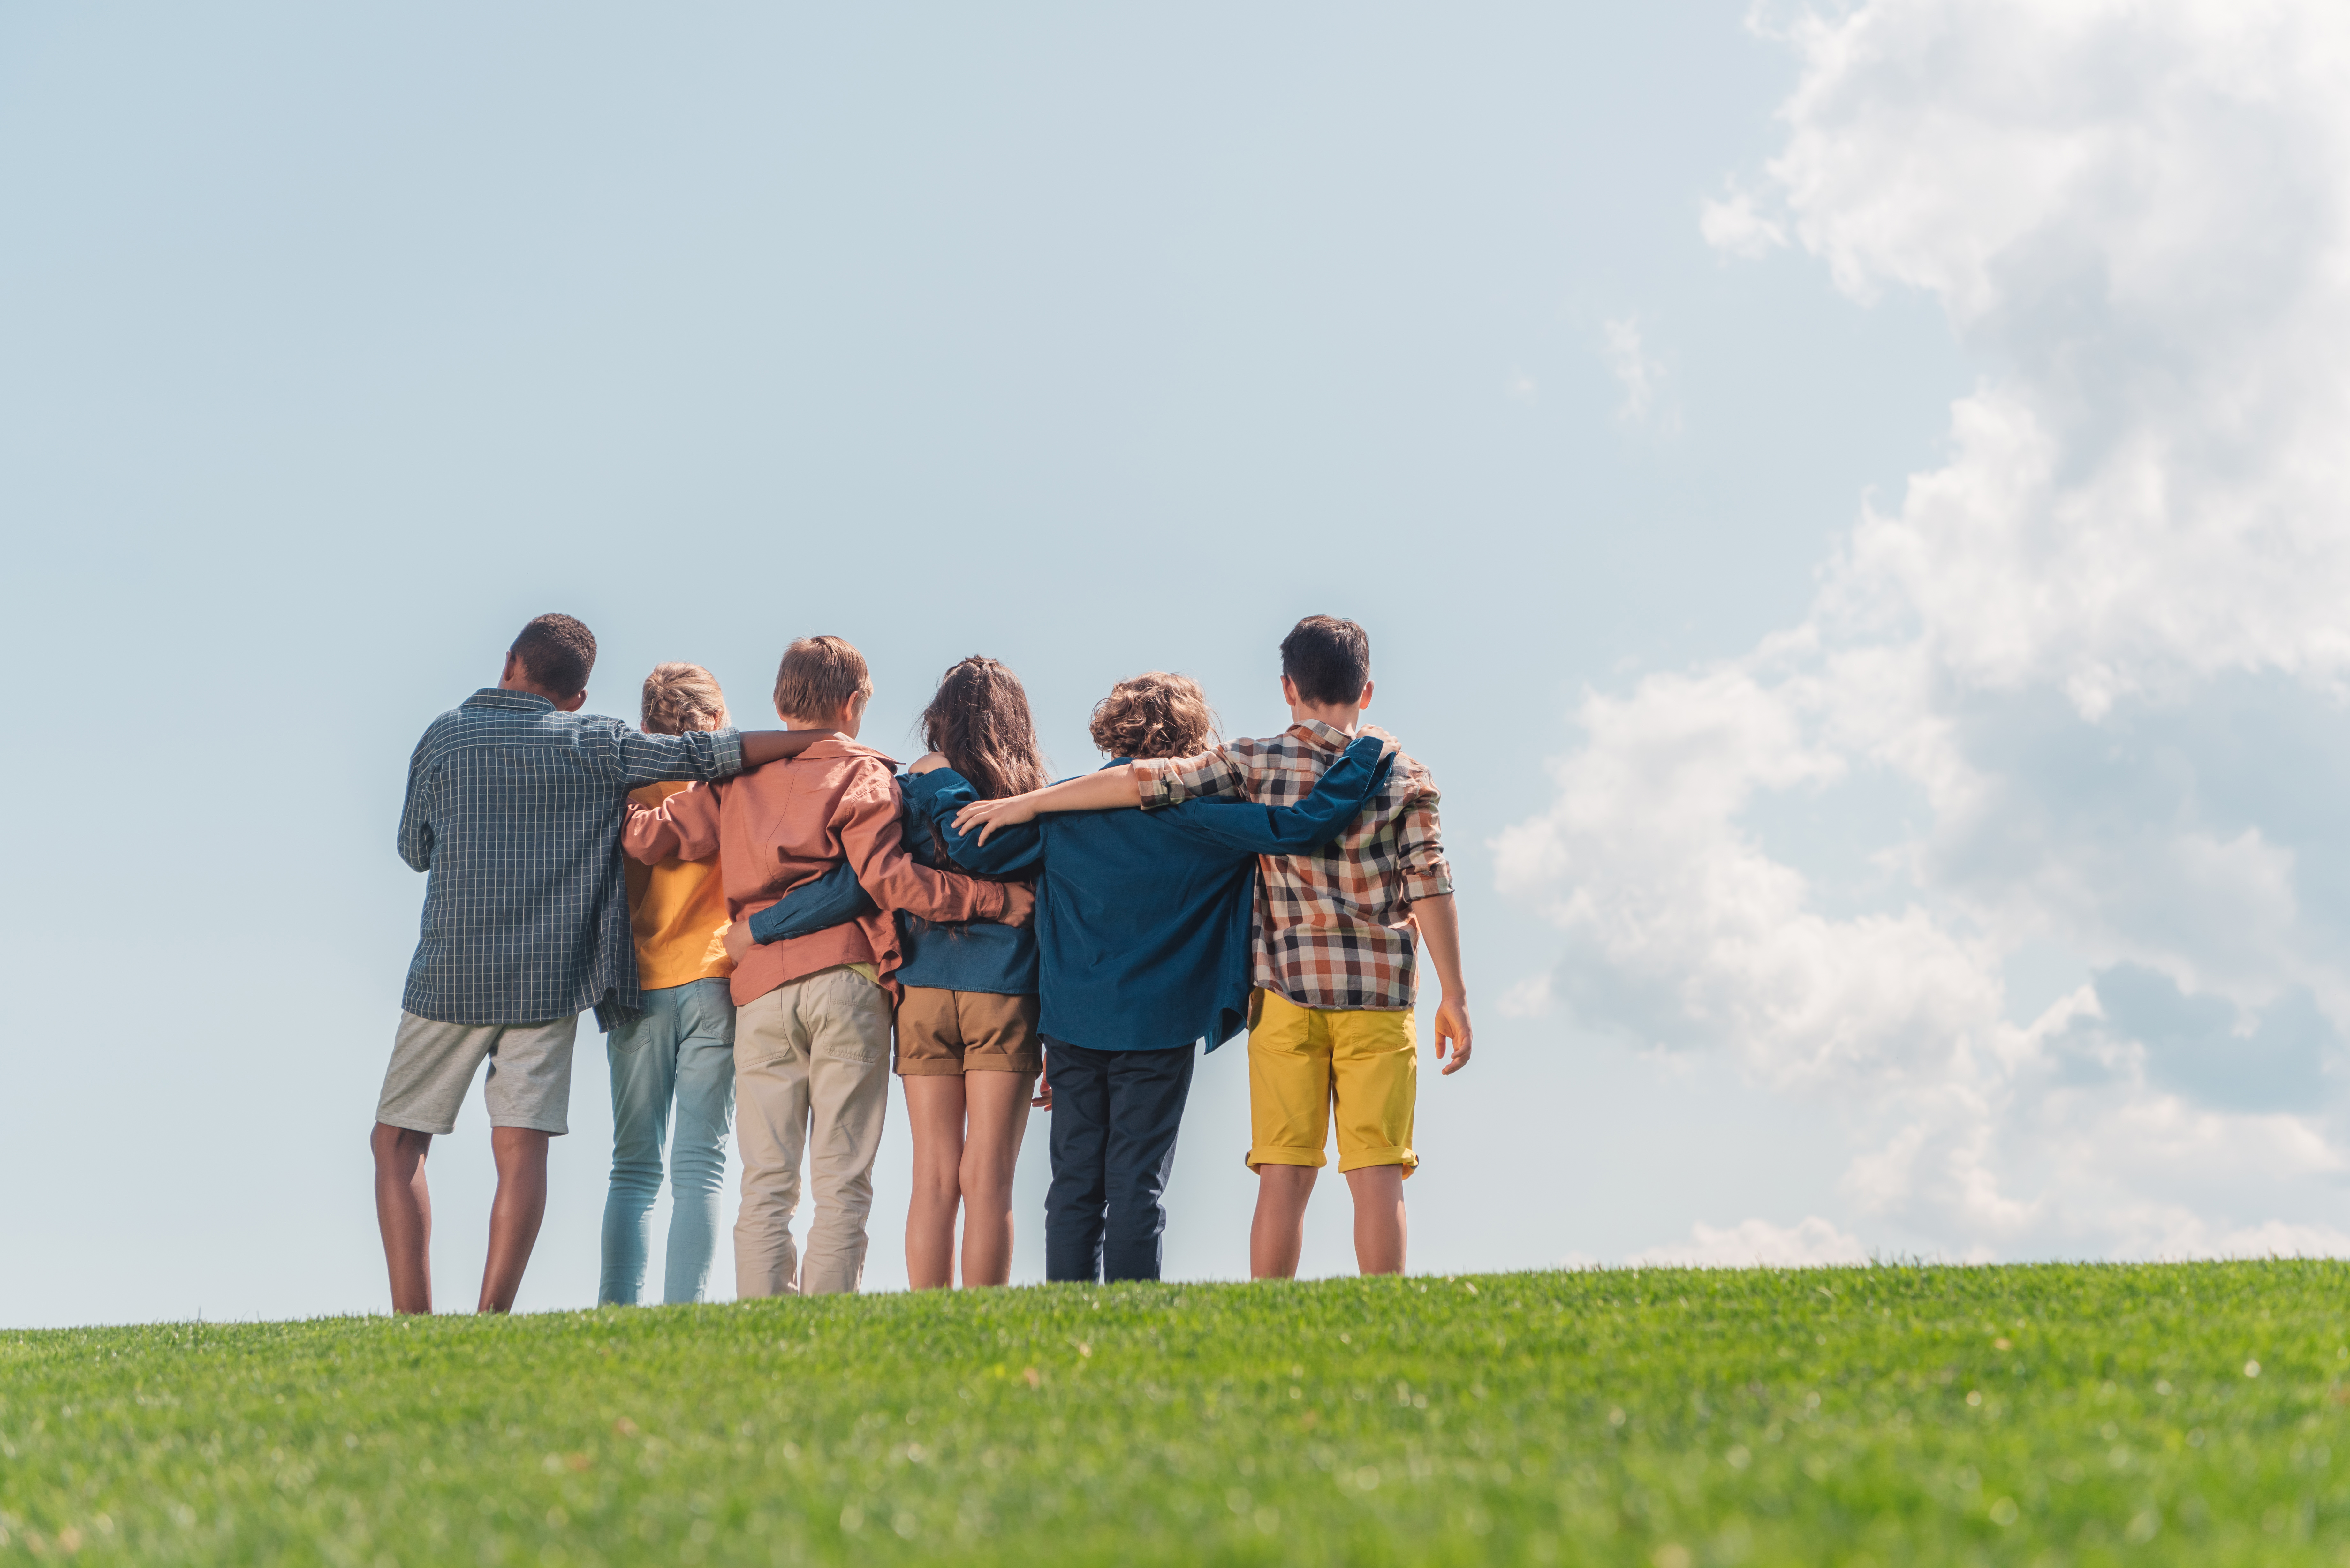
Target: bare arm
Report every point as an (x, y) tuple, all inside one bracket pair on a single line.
[(760, 747), (1441, 924), (1112, 787)]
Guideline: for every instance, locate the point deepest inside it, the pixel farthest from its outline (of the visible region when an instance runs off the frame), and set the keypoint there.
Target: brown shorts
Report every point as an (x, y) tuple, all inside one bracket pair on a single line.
[(947, 1033)]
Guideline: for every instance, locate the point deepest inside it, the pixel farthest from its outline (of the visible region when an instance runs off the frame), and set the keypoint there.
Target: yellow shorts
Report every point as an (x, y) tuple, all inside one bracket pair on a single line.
[(1301, 1059)]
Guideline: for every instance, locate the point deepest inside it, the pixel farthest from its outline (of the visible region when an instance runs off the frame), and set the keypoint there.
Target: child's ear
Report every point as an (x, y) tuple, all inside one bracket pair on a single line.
[(1365, 700)]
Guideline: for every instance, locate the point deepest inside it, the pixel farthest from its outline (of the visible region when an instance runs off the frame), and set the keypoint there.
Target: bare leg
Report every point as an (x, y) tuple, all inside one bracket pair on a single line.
[(1378, 1218), (515, 1213), (403, 1213), (1277, 1235), (934, 1105), (991, 1151)]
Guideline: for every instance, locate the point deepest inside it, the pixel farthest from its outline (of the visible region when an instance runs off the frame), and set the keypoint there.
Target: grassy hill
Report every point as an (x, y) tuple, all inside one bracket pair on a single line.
[(1663, 1418)]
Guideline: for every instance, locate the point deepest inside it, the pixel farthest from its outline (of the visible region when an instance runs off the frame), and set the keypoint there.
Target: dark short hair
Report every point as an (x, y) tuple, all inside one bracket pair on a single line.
[(1154, 715), (819, 677), (1329, 659), (557, 651)]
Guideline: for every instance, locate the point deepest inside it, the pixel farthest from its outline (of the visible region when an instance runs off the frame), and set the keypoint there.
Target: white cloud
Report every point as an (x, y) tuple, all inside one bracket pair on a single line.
[(1736, 225), (1808, 1244), (1641, 374), (2138, 215)]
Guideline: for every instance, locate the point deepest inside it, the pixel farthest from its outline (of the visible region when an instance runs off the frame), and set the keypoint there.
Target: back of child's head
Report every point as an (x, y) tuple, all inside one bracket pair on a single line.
[(680, 696), (557, 653), (1154, 715), (980, 723), (819, 677), (1327, 660)]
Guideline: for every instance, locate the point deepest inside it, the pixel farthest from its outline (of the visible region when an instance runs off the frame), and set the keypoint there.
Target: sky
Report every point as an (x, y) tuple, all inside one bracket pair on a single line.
[(1848, 504)]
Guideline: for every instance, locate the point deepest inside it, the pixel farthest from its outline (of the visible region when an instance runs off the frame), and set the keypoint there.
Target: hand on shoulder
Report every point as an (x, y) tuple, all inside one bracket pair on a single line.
[(928, 763)]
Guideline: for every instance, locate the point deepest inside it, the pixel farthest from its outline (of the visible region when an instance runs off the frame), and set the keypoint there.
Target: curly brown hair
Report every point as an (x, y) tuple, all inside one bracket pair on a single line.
[(1154, 715), (979, 720)]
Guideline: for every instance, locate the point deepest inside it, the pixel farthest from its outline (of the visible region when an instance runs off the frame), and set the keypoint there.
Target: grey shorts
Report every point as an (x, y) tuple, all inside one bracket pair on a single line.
[(529, 1083)]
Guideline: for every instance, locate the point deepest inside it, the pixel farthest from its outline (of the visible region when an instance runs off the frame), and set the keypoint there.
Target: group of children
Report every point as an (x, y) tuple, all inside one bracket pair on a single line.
[(765, 923)]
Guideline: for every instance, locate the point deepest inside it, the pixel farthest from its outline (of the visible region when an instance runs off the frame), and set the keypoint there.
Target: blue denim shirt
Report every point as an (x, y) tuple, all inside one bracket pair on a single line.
[(1142, 917), (514, 813)]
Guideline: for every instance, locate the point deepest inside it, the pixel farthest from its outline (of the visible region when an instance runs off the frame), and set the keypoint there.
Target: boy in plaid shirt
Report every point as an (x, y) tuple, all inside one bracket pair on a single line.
[(1337, 934)]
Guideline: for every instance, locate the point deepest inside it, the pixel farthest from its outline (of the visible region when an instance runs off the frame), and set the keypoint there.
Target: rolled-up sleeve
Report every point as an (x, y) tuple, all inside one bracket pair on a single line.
[(1419, 845), (416, 816), (1172, 781)]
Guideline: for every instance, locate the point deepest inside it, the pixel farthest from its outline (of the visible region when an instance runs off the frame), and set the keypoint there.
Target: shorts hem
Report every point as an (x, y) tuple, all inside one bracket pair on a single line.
[(555, 1129), (927, 1069), (1257, 1159), (1366, 1159), (440, 1130), (1004, 1064)]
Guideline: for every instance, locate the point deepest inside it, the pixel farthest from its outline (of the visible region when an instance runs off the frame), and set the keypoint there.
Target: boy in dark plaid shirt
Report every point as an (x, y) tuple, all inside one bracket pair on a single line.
[(1337, 935)]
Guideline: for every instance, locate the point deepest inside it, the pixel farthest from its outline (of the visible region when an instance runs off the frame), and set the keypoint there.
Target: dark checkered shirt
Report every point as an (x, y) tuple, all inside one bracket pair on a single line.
[(515, 811), (1331, 926)]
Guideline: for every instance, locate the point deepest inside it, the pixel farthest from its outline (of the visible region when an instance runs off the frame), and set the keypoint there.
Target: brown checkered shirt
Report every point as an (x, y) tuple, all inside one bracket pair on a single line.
[(1332, 927)]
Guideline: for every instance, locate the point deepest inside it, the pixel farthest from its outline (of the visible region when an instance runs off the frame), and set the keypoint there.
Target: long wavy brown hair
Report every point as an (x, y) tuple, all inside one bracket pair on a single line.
[(980, 723)]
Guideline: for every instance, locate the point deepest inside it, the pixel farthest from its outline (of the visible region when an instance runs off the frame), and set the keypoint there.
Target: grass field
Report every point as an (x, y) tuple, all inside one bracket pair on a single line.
[(1675, 1418)]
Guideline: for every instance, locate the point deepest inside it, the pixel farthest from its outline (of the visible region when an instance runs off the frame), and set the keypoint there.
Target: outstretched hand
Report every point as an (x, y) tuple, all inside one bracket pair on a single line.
[(1453, 1028), (987, 815)]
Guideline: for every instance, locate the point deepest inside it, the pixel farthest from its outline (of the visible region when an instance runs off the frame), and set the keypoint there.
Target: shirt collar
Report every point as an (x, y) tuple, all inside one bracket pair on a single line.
[(842, 746), (1322, 734), (495, 697)]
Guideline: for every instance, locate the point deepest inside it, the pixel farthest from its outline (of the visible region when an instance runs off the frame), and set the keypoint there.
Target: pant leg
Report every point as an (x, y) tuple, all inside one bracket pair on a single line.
[(1072, 1206), (771, 1093), (848, 1021), (643, 1054), (697, 1159), (1147, 1091)]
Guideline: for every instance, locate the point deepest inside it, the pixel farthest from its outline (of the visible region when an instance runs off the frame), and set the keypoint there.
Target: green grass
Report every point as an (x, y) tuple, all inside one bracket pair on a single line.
[(1890, 1415)]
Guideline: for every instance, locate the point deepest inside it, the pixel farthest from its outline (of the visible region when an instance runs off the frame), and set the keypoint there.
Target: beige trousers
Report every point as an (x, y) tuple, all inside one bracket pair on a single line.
[(811, 1075)]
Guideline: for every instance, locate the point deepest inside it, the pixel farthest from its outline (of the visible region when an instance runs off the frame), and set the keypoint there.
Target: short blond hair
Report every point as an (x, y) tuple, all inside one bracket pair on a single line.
[(1154, 715), (678, 697), (819, 677)]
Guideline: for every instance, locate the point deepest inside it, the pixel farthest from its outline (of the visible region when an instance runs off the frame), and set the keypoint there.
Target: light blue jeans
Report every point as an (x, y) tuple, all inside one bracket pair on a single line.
[(681, 1049)]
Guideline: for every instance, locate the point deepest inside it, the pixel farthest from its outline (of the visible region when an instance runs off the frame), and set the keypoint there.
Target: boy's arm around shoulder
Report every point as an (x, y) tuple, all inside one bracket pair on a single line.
[(682, 827), (1148, 783), (872, 838), (708, 755), (1326, 814)]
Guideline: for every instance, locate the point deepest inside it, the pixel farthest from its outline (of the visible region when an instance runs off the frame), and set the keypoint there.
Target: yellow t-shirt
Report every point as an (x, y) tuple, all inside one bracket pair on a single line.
[(677, 911)]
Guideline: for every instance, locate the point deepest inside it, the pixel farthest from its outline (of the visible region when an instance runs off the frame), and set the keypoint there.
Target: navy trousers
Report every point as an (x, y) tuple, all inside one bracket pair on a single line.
[(1115, 1116)]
